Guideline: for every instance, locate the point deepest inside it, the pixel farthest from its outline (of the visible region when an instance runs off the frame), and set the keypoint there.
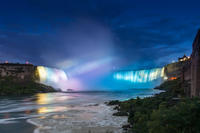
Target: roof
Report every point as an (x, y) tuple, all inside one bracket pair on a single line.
[(14, 64)]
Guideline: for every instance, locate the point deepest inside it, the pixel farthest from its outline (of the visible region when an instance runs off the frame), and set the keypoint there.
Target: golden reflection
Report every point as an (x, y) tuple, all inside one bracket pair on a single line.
[(43, 98), (47, 100), (43, 110), (59, 116), (51, 109), (42, 117)]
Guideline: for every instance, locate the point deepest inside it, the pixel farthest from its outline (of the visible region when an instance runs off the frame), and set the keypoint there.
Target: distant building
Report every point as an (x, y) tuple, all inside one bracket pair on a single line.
[(184, 58), (20, 71)]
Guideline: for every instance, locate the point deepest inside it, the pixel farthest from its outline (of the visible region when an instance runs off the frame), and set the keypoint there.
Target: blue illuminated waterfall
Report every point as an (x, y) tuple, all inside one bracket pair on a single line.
[(140, 76)]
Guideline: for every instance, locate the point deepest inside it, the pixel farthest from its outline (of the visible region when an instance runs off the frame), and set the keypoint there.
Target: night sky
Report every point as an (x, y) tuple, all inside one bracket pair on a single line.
[(125, 33)]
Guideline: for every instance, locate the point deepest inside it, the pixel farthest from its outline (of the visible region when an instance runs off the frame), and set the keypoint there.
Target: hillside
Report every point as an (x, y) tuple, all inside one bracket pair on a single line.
[(9, 86)]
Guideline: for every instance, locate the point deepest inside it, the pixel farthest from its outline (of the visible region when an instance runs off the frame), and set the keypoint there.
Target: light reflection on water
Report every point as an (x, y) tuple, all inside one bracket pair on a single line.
[(40, 105), (48, 98), (50, 109), (13, 109), (51, 98)]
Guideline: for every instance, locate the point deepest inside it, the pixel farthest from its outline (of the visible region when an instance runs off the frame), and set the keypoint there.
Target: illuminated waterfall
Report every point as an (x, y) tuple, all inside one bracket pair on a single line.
[(140, 76), (51, 76)]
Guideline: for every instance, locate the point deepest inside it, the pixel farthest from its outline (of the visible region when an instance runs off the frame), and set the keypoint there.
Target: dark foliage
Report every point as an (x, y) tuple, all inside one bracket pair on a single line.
[(10, 86), (167, 112)]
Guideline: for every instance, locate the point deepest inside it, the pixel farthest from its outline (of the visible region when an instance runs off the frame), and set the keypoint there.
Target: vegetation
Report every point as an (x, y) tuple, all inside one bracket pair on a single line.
[(11, 86), (167, 112)]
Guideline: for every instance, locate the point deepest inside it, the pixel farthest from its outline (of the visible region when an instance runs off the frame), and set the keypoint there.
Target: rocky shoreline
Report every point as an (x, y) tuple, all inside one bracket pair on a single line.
[(151, 114)]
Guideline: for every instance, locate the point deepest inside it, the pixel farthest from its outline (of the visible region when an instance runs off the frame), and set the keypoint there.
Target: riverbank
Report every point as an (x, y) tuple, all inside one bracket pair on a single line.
[(10, 86), (17, 127), (167, 112), (84, 110), (92, 118)]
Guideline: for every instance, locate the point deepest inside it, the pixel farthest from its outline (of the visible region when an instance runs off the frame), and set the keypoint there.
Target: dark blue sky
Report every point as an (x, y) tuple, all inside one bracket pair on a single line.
[(134, 33)]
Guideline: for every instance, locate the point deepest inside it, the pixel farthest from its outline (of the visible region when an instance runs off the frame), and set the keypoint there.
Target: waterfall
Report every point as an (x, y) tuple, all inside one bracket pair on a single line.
[(51, 76), (140, 76)]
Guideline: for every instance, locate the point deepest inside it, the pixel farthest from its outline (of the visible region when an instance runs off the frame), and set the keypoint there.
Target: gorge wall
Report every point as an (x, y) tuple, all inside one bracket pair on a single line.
[(195, 66), (176, 69), (188, 70)]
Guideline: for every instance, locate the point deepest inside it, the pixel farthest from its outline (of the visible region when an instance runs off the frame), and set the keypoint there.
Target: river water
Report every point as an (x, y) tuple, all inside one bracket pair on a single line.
[(53, 108)]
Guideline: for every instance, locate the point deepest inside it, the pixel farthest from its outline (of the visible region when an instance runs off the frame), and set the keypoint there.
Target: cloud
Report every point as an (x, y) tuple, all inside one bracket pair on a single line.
[(57, 33)]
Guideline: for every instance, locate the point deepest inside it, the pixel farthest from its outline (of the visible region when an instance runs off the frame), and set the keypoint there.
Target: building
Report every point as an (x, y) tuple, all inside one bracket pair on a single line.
[(184, 58), (20, 71)]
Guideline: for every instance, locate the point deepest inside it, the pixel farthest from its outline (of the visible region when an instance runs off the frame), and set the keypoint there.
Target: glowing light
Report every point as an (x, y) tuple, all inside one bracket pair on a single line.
[(172, 78), (46, 99), (90, 66), (165, 78), (42, 73), (184, 58), (51, 76), (43, 99), (43, 110), (140, 76)]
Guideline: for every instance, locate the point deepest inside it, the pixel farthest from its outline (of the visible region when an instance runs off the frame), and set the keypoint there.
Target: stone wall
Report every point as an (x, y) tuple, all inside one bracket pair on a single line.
[(20, 71), (195, 66)]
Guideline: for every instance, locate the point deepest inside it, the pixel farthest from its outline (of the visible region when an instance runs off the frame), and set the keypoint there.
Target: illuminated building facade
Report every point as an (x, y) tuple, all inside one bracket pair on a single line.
[(184, 58)]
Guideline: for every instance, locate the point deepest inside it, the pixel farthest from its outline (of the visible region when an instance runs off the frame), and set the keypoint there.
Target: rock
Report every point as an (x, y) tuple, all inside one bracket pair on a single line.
[(114, 102), (126, 127)]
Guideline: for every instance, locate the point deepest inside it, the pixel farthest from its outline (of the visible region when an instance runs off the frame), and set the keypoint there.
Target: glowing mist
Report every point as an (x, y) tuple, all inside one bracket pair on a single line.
[(51, 76)]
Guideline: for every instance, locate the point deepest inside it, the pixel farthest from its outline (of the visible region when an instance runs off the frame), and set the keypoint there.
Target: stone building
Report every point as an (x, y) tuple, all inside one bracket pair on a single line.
[(195, 66), (19, 71)]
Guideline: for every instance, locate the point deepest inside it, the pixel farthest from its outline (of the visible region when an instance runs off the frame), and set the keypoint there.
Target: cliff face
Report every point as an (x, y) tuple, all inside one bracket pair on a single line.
[(188, 71), (19, 79), (19, 71), (181, 70), (175, 70), (195, 66)]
